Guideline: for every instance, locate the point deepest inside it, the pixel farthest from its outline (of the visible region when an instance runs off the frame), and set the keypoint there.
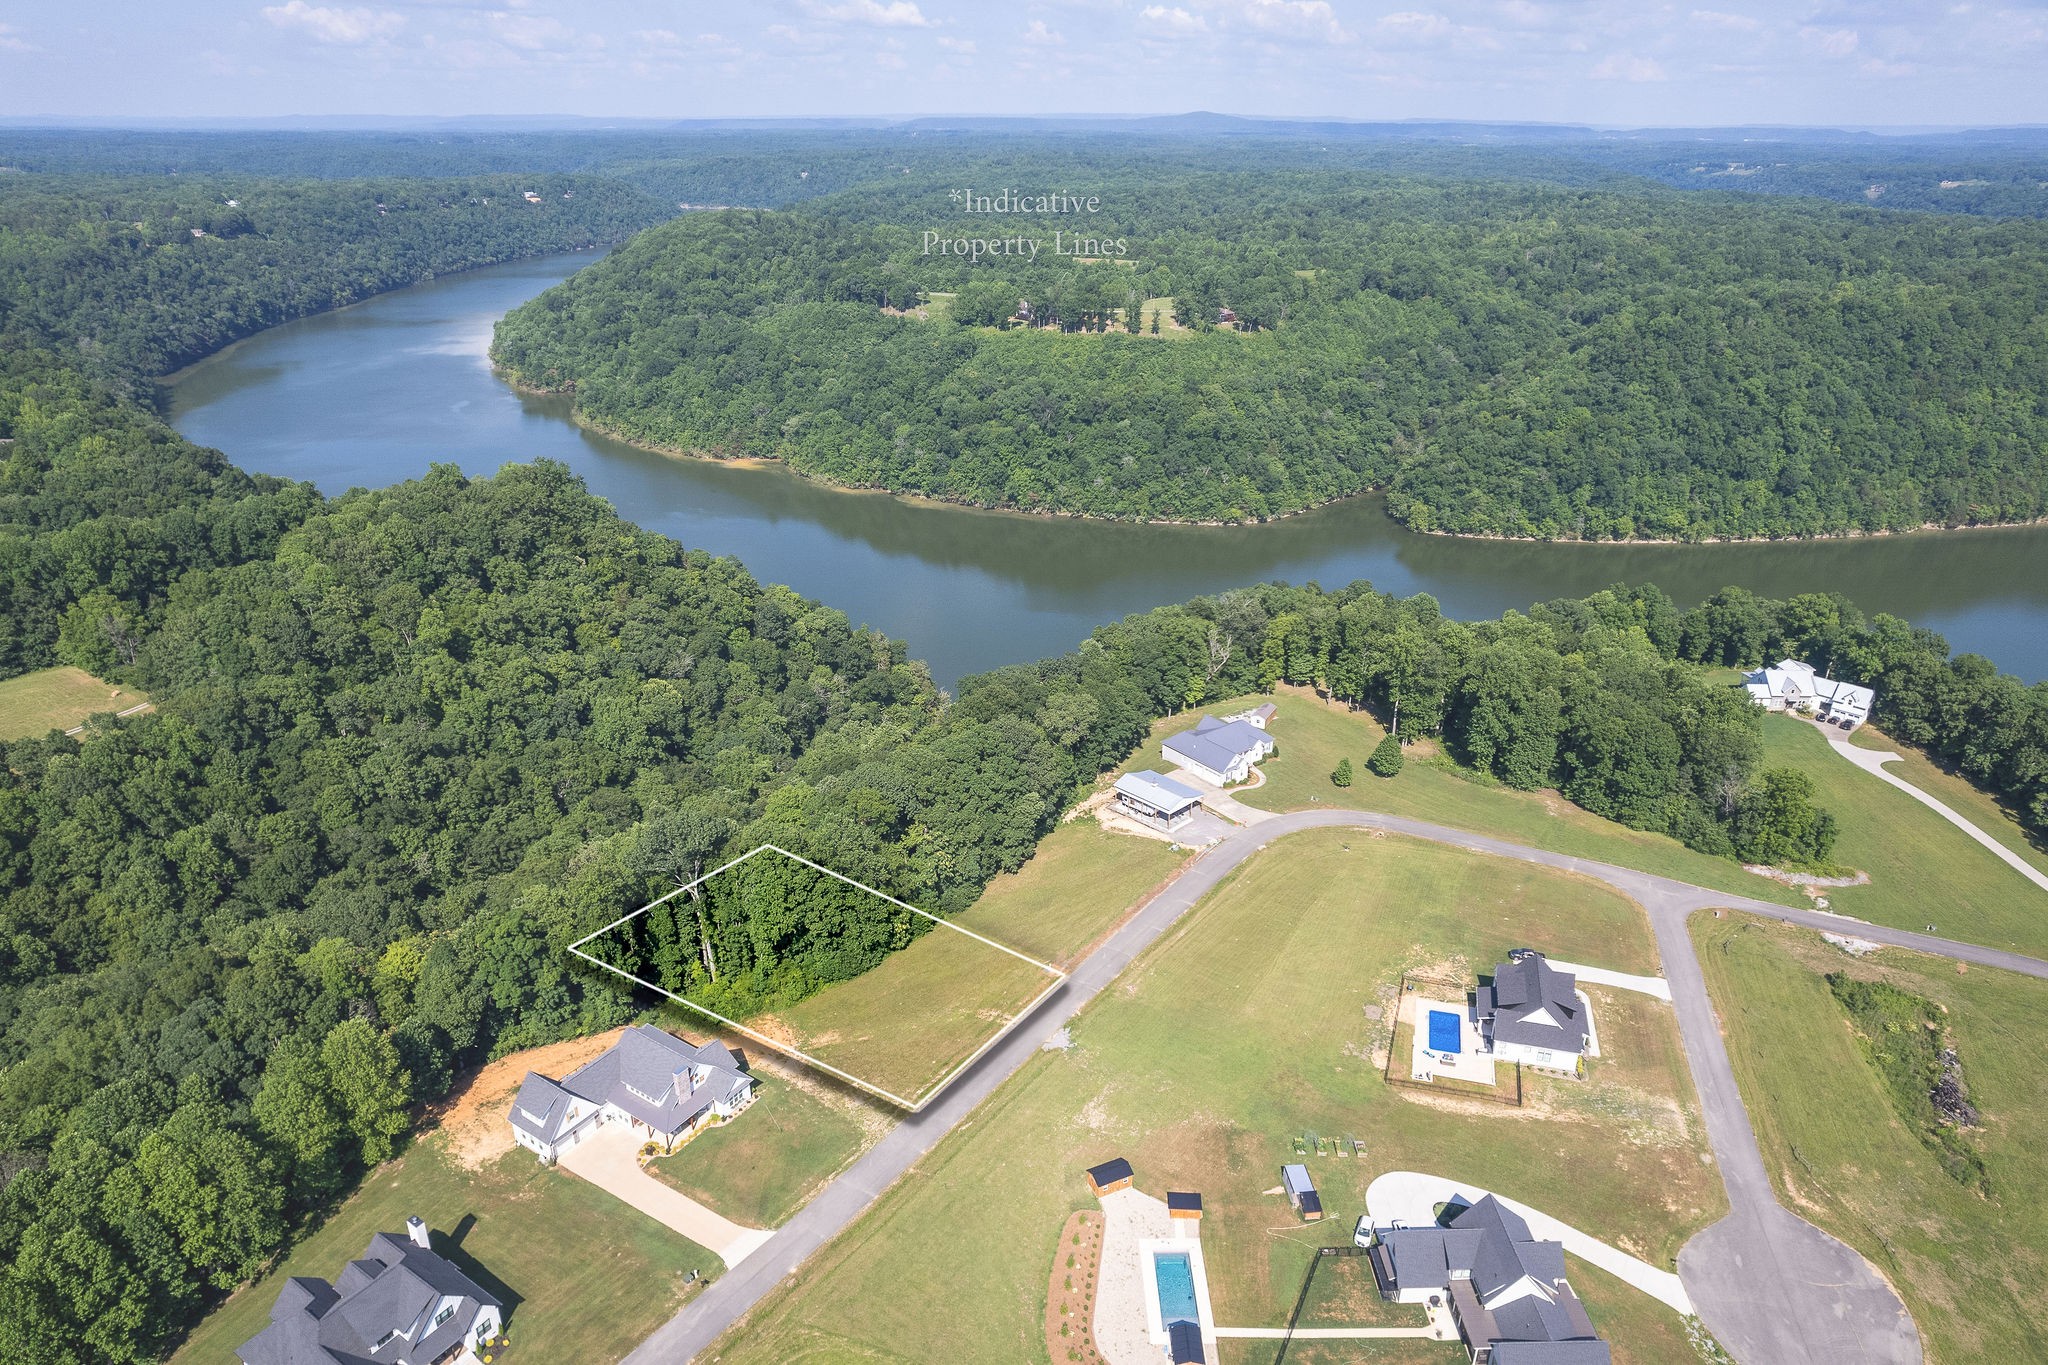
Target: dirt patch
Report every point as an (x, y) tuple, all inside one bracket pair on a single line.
[(475, 1116), (1070, 1297)]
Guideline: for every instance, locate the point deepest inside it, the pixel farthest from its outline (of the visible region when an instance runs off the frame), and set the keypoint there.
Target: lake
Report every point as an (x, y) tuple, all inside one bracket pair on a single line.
[(374, 394)]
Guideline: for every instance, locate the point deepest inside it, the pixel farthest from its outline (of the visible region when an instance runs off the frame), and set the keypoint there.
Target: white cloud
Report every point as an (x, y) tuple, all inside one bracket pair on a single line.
[(658, 37), (334, 25), (1715, 18), (1877, 66), (895, 14), (1174, 20), (1525, 13), (1620, 66), (1839, 42), (964, 46), (1037, 32), (12, 41), (1311, 19), (1414, 25)]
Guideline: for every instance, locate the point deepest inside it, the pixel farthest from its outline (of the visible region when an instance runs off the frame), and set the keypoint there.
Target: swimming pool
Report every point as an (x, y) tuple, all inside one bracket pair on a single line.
[(1175, 1276), (1443, 1031)]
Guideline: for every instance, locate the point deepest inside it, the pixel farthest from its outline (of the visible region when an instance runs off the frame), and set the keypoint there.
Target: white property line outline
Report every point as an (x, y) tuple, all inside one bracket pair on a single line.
[(910, 1106)]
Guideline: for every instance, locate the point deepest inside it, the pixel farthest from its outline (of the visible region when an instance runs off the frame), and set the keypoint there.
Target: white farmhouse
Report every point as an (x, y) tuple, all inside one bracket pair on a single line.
[(1789, 685), (651, 1080), (1220, 751), (1533, 1014)]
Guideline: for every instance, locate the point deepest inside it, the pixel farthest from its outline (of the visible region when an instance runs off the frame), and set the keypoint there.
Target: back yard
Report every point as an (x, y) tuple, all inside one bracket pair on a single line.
[(1244, 1027), (57, 699)]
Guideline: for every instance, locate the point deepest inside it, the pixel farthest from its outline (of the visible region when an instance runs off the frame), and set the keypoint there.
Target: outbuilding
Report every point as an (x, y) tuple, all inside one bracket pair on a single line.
[(1111, 1175), (1157, 800), (1301, 1192)]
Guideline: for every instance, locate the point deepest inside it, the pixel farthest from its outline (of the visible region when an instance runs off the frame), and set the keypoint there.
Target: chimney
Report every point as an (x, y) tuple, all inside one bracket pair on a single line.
[(417, 1230)]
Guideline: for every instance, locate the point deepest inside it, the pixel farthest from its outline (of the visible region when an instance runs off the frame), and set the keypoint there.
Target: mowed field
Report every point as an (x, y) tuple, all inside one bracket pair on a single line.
[(584, 1276), (1923, 870), (1969, 1268), (905, 1025), (1241, 1029), (1955, 792), (1313, 735), (56, 699)]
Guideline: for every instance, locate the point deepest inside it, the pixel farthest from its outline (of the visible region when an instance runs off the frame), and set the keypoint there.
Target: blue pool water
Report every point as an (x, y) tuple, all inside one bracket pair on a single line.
[(1443, 1031), (1176, 1276)]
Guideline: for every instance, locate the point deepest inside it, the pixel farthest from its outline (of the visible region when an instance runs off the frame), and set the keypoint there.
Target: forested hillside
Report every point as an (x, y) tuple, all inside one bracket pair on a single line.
[(145, 275), (1501, 358)]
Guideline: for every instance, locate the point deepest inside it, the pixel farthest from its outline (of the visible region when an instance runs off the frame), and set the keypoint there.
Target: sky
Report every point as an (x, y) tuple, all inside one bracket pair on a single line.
[(1614, 62)]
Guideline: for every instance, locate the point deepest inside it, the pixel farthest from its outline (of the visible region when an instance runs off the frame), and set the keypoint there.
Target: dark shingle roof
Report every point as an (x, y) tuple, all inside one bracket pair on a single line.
[(1183, 1199), (391, 1287), (1492, 1245), (1111, 1171), (1525, 990)]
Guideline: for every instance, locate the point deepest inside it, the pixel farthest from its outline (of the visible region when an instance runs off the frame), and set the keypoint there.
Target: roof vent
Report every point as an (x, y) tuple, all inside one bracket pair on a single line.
[(416, 1229)]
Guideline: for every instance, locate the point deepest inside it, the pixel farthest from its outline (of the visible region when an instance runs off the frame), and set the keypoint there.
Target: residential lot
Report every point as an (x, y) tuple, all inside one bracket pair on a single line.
[(764, 1165), (1242, 1029), (1968, 1265), (1313, 735), (582, 1276), (906, 1024)]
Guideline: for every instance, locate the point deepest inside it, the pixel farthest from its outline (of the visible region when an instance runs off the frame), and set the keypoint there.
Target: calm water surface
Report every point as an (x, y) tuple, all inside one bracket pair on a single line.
[(374, 394)]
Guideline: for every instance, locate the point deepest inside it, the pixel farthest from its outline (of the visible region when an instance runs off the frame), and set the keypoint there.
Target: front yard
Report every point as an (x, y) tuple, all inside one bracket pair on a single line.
[(582, 1276)]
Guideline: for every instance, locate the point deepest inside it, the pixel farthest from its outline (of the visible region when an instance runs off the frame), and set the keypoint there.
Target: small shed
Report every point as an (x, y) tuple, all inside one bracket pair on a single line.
[(1184, 1204), (1184, 1342), (1114, 1174), (1301, 1192)]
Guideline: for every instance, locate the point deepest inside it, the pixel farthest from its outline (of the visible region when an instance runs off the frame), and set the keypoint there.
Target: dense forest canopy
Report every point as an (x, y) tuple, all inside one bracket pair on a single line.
[(1501, 358), (149, 274)]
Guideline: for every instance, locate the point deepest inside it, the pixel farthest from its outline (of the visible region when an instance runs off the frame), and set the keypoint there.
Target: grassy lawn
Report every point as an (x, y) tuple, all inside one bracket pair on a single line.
[(57, 699), (908, 1022), (1974, 805), (583, 1276), (1239, 1030), (1312, 736), (1923, 870), (766, 1164), (1967, 1267)]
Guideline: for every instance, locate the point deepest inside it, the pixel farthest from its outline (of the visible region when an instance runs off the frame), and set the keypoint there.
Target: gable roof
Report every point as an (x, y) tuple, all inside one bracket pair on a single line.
[(1158, 791), (1218, 744), (1110, 1171), (1534, 1003), (1518, 1280), (1296, 1178), (392, 1287), (649, 1073)]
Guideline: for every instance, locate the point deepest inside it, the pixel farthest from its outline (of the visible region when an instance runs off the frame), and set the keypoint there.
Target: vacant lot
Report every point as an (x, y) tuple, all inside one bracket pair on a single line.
[(1968, 1268), (1923, 870), (57, 699), (584, 1276), (1242, 1029), (1313, 735), (767, 1163), (907, 1023)]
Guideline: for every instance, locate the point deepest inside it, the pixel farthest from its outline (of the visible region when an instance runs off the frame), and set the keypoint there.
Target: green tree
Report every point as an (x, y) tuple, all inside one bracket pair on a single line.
[(216, 1190), (1387, 757), (371, 1088), (1342, 774)]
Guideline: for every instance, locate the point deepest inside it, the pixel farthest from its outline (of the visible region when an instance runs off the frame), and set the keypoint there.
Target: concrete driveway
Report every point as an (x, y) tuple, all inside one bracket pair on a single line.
[(1872, 761), (1411, 1197), (610, 1160)]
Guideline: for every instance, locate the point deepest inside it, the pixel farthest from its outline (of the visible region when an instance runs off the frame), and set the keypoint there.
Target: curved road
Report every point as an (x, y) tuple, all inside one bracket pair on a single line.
[(1775, 1289)]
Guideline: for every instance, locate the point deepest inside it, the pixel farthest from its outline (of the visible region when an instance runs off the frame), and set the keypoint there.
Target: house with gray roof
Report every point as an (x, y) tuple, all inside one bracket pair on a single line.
[(1505, 1290), (400, 1303), (653, 1082), (1220, 751), (1534, 1014)]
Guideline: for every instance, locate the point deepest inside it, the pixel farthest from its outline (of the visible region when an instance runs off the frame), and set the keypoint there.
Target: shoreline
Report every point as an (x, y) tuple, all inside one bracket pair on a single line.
[(954, 504)]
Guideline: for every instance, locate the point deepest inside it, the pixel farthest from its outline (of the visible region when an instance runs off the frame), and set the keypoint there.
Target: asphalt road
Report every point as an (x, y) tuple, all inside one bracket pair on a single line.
[(1773, 1288)]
